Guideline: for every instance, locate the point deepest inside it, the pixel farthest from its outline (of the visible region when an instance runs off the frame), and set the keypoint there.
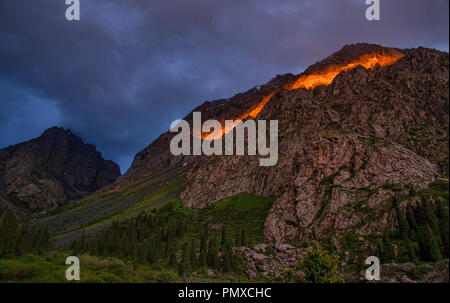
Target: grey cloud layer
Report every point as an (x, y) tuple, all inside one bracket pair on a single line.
[(119, 76)]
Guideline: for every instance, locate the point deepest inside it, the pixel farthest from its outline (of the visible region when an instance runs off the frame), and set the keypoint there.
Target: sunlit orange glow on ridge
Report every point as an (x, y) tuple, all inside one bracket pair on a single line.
[(323, 77), (251, 113)]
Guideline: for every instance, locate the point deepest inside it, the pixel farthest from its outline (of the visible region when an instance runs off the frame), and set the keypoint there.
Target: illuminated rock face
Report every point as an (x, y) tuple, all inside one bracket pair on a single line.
[(368, 60), (340, 143), (325, 77), (253, 113)]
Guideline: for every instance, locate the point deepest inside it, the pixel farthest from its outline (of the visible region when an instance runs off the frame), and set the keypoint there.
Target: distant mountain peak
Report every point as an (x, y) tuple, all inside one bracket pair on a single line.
[(53, 169)]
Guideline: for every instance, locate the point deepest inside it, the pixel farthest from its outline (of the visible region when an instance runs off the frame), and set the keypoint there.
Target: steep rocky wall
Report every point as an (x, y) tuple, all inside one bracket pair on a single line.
[(341, 148)]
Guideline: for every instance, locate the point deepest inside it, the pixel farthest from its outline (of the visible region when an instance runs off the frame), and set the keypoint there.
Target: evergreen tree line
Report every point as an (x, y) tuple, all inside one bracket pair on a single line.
[(424, 230), (155, 240), (145, 239), (18, 239)]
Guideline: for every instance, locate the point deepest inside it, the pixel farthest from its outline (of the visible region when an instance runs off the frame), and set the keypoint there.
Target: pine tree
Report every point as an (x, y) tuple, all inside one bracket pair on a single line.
[(180, 230), (172, 260), (82, 245), (45, 239), (21, 242), (443, 228), (206, 231), (411, 219), (380, 249), (9, 230), (192, 256), (238, 264), (213, 254), (224, 239), (431, 216), (401, 219), (435, 252), (184, 268), (157, 252), (203, 260), (168, 247), (237, 241), (203, 251), (134, 252), (422, 239), (151, 253), (244, 237), (227, 260), (411, 251), (388, 254), (211, 248)]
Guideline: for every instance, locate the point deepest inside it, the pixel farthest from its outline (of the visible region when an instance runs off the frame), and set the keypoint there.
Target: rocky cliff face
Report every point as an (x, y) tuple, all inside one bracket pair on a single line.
[(52, 169), (346, 145)]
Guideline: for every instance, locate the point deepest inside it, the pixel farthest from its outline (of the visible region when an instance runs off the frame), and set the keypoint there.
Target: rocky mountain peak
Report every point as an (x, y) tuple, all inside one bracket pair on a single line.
[(250, 103), (350, 127), (53, 169)]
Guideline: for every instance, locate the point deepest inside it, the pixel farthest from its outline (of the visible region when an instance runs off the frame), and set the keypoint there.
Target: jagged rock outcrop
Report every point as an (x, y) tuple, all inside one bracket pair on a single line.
[(53, 169), (275, 262), (345, 148), (412, 273), (270, 261), (157, 157)]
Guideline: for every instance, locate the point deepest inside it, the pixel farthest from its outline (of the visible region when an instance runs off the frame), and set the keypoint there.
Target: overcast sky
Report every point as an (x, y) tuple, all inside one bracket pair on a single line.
[(119, 76)]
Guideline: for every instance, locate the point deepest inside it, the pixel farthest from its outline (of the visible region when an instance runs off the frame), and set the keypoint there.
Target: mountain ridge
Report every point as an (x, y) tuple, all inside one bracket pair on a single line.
[(379, 112), (362, 171), (242, 102)]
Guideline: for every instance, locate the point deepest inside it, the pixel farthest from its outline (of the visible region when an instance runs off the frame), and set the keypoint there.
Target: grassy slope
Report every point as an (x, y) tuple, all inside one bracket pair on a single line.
[(98, 210), (234, 213), (51, 268)]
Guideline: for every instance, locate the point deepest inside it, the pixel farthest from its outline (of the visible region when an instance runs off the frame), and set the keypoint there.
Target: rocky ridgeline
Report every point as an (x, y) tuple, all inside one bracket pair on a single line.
[(344, 149), (52, 169)]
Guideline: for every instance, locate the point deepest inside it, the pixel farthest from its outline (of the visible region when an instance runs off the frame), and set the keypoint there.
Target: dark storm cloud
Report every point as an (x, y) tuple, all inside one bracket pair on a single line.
[(119, 76)]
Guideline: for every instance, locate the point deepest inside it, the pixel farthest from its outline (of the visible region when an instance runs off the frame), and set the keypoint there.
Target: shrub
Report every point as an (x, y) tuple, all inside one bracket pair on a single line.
[(319, 266)]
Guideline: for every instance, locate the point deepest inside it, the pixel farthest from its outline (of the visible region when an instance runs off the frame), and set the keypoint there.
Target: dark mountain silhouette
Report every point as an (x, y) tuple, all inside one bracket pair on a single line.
[(53, 169)]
